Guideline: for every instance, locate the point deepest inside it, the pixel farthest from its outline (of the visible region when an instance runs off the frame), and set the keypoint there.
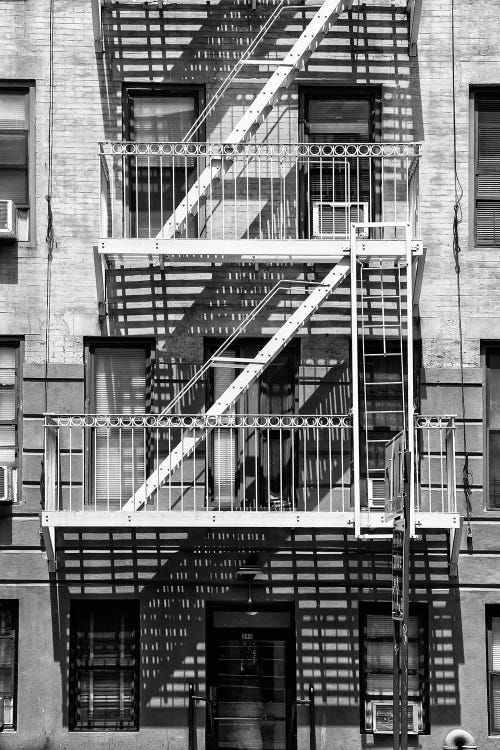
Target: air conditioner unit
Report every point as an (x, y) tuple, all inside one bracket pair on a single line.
[(8, 484), (333, 220), (380, 716), (8, 220), (376, 493)]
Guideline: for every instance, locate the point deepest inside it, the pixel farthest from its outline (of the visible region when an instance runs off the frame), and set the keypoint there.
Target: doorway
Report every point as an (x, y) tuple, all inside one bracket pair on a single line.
[(250, 679)]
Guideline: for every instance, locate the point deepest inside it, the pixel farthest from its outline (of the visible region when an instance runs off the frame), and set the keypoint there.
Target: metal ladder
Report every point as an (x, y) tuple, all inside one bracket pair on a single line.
[(282, 77), (252, 370), (383, 318)]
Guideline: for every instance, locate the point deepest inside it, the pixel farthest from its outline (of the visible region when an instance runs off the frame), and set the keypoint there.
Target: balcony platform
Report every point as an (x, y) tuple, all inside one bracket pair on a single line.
[(371, 521), (247, 250)]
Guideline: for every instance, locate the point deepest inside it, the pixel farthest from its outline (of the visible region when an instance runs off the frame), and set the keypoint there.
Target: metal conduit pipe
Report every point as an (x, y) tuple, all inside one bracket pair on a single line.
[(459, 739)]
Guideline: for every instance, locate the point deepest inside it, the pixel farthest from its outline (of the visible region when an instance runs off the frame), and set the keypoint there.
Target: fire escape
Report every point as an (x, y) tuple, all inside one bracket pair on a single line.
[(351, 207)]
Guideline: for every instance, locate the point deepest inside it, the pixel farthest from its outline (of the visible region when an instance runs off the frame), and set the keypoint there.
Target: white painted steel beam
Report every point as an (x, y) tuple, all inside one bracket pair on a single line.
[(282, 77), (242, 383), (293, 251), (159, 520)]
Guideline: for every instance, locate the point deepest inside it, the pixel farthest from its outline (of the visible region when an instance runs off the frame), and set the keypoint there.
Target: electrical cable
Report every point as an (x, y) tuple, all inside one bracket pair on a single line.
[(49, 236), (457, 219)]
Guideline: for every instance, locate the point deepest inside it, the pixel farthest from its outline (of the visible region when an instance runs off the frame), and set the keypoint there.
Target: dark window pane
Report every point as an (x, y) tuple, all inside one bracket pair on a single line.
[(13, 149), (14, 185)]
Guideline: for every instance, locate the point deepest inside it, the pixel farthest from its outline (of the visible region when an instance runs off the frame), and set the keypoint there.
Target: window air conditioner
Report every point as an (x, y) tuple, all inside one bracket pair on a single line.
[(8, 220), (8, 482), (376, 493), (333, 220), (379, 717)]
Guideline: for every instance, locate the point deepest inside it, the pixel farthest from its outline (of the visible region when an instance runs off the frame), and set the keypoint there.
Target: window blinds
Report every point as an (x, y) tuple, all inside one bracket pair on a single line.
[(8, 407), (488, 172), (339, 120), (379, 656), (14, 147), (495, 673), (120, 381)]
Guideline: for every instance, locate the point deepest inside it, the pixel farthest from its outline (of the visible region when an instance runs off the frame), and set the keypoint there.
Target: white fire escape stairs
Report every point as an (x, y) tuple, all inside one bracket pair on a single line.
[(252, 371), (282, 77)]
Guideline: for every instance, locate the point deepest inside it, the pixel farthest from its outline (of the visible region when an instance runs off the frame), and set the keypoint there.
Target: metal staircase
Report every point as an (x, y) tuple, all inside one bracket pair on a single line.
[(384, 324), (282, 77), (252, 370)]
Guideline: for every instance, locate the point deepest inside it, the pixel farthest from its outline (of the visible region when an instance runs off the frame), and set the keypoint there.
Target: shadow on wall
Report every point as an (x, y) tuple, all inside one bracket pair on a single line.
[(326, 576), (200, 43)]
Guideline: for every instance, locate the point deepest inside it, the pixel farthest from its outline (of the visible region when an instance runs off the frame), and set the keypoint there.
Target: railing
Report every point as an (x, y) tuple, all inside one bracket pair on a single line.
[(262, 191), (244, 462), (435, 464)]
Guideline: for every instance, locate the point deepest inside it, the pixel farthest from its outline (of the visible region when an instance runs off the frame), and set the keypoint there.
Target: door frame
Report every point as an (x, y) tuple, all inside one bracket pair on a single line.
[(287, 607)]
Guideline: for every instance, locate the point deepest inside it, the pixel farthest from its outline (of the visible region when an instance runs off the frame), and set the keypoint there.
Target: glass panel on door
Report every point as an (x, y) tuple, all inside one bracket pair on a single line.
[(250, 687)]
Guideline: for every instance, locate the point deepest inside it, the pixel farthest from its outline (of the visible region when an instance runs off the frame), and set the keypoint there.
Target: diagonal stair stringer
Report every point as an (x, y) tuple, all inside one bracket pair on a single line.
[(241, 384), (282, 77)]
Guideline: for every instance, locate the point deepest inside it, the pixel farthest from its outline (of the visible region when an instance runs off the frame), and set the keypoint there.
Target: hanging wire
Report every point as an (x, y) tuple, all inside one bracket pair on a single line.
[(49, 237), (457, 219)]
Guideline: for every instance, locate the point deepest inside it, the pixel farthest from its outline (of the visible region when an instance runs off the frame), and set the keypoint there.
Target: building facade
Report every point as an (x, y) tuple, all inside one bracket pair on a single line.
[(248, 261)]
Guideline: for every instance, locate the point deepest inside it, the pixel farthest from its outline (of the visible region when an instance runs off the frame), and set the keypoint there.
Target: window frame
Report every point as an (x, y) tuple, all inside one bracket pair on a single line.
[(421, 612), (92, 344), (308, 92), (475, 95), (487, 348), (27, 87), (246, 347), (130, 607), (18, 345), (13, 604)]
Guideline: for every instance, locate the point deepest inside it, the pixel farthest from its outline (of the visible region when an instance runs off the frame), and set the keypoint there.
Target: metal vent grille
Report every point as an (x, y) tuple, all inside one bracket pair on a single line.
[(4, 216)]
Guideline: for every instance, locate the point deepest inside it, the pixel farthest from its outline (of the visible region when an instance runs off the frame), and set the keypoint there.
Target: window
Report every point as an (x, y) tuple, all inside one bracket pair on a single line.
[(492, 421), (14, 154), (254, 468), (340, 190), (119, 384), (104, 666), (487, 168), (376, 647), (8, 661), (493, 638), (9, 414), (158, 184)]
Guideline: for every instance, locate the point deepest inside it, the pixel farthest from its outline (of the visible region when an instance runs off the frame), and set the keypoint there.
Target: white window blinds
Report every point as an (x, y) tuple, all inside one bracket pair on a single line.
[(488, 171), (494, 668), (120, 382), (14, 147), (8, 406)]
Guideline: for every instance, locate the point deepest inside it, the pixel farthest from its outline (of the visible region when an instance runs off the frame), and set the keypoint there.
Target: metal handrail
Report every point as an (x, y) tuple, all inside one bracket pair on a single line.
[(312, 725), (192, 699)]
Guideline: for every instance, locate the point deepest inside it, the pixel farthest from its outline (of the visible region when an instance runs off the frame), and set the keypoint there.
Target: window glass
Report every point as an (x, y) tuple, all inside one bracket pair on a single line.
[(104, 666), (120, 387), (14, 146), (487, 169), (157, 184), (8, 423), (8, 656), (377, 636), (493, 629), (493, 428)]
